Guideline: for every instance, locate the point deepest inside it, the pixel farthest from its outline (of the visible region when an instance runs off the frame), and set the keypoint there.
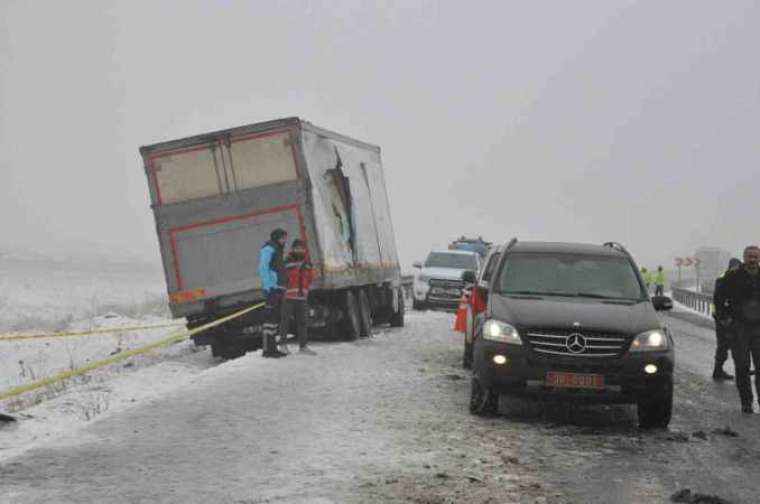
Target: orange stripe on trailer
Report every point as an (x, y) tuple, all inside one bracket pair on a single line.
[(187, 296)]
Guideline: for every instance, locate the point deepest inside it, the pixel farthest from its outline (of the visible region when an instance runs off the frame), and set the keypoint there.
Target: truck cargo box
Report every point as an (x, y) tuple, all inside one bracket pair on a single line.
[(217, 196)]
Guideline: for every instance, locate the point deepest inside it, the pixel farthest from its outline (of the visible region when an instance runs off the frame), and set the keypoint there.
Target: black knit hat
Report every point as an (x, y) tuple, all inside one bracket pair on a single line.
[(734, 263), (277, 234)]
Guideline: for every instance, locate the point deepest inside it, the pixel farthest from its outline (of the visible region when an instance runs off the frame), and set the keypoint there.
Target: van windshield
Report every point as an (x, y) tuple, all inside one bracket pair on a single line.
[(455, 261), (576, 275)]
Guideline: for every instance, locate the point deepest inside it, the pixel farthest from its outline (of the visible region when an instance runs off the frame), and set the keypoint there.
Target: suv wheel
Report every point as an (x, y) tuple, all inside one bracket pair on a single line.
[(656, 408), (483, 401), (467, 357)]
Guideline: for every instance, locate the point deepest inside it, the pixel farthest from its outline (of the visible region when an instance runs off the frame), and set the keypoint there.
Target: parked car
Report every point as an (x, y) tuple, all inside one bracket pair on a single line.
[(474, 300), (573, 321), (438, 282), (478, 245)]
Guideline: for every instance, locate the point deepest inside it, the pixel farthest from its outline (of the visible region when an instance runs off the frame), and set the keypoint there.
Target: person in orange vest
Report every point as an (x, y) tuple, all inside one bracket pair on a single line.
[(300, 275)]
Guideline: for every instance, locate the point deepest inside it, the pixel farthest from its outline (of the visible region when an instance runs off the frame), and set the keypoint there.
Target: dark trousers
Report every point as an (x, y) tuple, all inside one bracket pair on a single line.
[(746, 348), (272, 315), (659, 290), (724, 336), (299, 309)]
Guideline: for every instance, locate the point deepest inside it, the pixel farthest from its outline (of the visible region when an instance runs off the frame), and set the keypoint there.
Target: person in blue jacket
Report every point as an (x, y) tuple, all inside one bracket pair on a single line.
[(273, 282)]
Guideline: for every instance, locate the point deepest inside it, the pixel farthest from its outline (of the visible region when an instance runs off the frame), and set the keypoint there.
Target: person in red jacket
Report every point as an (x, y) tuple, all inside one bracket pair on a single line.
[(300, 275)]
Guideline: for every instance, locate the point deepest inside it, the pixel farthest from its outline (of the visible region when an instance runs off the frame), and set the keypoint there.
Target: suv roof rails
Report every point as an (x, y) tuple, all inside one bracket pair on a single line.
[(617, 246)]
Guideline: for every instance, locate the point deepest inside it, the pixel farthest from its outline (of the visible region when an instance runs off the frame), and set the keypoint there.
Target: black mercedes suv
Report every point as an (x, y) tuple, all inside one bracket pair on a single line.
[(573, 321)]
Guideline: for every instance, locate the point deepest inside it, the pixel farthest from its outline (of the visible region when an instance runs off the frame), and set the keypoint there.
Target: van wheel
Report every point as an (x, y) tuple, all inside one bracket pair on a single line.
[(397, 318), (656, 408), (365, 315), (352, 322), (483, 401)]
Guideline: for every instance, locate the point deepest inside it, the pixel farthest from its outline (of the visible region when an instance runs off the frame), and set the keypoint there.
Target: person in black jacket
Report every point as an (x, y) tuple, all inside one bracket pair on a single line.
[(723, 322), (742, 291)]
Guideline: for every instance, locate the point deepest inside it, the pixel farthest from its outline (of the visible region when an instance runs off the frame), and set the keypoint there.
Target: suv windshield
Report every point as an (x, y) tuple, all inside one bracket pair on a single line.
[(578, 275), (457, 261)]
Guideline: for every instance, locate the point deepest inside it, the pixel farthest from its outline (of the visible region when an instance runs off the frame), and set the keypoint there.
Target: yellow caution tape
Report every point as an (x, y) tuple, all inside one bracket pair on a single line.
[(169, 340), (92, 332)]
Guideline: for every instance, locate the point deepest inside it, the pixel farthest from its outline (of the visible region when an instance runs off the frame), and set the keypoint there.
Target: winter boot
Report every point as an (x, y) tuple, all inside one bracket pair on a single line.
[(305, 350), (720, 375)]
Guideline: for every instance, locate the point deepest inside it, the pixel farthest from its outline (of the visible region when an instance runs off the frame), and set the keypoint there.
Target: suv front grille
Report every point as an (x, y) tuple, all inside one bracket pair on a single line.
[(576, 343), (446, 284)]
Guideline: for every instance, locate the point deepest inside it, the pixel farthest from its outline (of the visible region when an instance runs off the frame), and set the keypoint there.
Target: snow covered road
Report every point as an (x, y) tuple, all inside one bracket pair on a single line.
[(385, 420)]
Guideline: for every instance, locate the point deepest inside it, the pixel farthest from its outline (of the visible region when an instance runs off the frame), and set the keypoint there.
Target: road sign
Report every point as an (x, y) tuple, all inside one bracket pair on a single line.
[(697, 262), (688, 261), (679, 261)]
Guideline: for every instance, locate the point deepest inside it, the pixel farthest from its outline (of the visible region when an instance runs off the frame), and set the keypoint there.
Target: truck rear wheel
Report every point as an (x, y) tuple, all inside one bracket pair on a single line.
[(365, 314), (397, 318), (351, 322)]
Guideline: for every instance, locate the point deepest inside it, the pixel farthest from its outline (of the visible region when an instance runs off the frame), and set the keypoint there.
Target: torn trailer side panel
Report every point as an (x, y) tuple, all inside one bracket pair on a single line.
[(217, 196)]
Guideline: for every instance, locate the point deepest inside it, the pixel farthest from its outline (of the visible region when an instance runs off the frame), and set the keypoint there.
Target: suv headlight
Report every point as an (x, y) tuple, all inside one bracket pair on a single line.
[(502, 332), (655, 339)]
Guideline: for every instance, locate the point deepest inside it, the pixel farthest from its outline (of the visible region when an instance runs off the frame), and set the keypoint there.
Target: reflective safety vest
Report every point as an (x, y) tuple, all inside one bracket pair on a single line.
[(660, 278), (300, 275)]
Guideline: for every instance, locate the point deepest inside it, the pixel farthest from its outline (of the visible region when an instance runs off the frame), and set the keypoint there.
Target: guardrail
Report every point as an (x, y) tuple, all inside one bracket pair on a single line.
[(698, 301)]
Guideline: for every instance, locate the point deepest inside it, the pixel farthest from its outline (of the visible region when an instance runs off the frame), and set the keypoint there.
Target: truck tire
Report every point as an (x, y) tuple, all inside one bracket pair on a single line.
[(656, 408), (397, 318), (352, 319), (227, 351), (365, 315), (483, 401)]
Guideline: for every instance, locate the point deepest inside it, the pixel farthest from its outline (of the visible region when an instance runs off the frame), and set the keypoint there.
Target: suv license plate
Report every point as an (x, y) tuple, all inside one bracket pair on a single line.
[(574, 380)]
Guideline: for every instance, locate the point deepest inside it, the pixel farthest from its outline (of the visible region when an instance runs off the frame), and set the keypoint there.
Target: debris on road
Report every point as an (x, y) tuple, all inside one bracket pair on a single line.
[(726, 431), (700, 434), (686, 496)]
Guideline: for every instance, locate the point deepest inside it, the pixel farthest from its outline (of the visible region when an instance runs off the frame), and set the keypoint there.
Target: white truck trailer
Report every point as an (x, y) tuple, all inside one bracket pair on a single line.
[(217, 196)]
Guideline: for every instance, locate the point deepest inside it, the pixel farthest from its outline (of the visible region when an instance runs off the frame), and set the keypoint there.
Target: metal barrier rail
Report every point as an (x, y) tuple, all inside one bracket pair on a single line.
[(698, 301)]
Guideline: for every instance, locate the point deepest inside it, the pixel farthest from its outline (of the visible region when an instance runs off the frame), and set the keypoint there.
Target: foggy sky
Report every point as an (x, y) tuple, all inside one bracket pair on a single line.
[(567, 120)]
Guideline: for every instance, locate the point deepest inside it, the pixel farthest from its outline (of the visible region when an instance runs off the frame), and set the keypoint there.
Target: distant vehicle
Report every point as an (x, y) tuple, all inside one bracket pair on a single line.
[(471, 244), (573, 321), (438, 283), (217, 196)]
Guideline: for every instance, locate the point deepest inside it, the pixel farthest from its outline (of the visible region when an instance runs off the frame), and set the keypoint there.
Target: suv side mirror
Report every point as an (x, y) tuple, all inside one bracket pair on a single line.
[(417, 265), (662, 303), (469, 277)]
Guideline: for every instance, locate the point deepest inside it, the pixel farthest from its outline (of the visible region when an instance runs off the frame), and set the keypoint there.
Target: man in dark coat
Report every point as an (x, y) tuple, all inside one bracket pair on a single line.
[(742, 291), (723, 322)]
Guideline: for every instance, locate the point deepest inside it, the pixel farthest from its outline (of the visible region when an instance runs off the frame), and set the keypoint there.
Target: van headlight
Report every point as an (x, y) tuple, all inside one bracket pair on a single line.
[(502, 332), (655, 339)]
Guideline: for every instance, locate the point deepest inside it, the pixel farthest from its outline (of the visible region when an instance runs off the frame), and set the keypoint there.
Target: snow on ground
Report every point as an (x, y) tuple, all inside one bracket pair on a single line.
[(100, 394), (46, 294)]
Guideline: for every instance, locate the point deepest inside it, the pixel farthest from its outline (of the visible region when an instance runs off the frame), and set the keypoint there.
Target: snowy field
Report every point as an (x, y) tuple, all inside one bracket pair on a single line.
[(38, 293)]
